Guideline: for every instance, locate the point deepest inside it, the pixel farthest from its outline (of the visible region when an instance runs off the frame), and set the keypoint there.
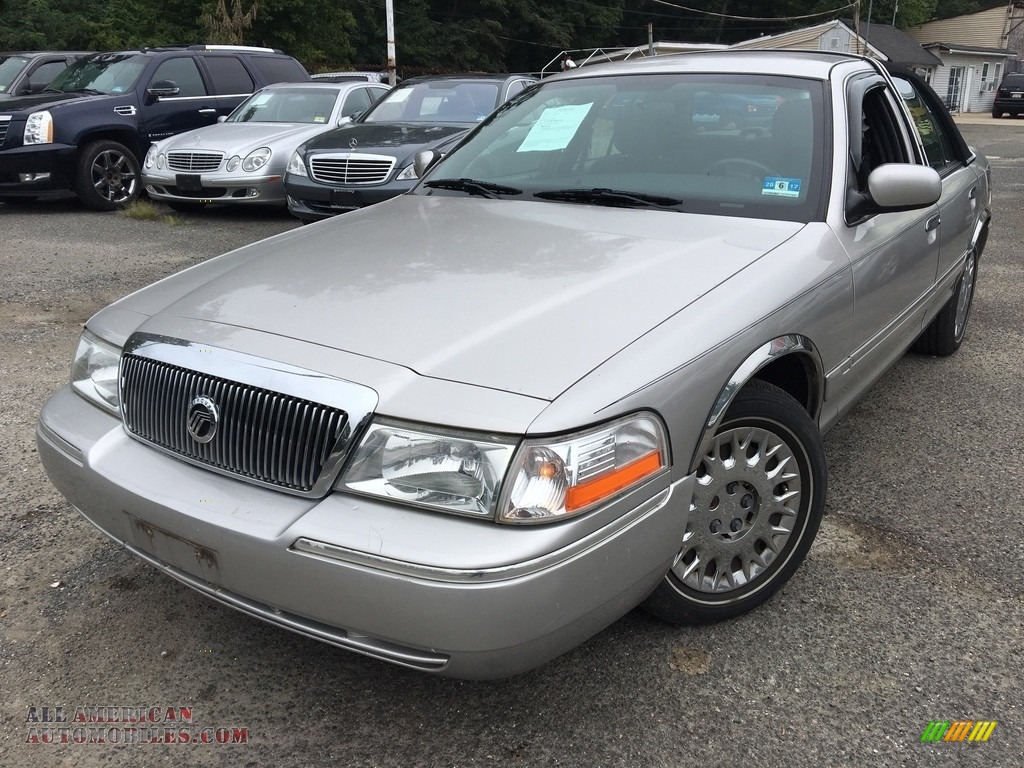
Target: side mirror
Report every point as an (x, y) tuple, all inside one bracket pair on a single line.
[(424, 161), (895, 187), (162, 89), (221, 118), (346, 119)]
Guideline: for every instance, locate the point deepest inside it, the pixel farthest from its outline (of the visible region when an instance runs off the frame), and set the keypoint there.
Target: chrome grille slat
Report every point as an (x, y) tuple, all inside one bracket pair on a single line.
[(273, 438), (194, 162), (351, 169)]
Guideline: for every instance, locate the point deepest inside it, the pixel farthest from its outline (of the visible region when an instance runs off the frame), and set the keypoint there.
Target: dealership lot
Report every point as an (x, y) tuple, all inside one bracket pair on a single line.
[(907, 611)]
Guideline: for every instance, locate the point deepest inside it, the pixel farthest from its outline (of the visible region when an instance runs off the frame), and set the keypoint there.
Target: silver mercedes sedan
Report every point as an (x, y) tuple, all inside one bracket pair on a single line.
[(243, 158), (584, 365)]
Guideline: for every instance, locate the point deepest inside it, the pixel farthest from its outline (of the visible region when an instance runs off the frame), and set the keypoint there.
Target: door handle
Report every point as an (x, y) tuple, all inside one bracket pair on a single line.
[(973, 194), (208, 111), (933, 223)]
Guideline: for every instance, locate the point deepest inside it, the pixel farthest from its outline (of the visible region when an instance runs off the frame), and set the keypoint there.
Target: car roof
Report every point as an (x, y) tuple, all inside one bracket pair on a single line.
[(814, 64), (471, 78)]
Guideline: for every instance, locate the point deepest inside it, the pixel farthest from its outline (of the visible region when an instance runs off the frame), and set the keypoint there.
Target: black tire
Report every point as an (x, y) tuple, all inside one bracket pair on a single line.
[(107, 176), (997, 113), (749, 529), (945, 333), (181, 207)]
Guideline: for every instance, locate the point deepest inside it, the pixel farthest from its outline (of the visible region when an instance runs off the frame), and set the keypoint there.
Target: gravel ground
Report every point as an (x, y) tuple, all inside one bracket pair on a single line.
[(908, 610)]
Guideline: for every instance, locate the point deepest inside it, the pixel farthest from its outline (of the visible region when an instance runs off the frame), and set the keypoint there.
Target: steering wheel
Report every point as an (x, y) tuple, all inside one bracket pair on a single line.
[(739, 167)]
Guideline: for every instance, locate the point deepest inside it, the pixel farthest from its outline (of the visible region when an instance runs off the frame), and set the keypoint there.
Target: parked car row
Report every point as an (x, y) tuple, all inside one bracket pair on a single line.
[(195, 125), (585, 364)]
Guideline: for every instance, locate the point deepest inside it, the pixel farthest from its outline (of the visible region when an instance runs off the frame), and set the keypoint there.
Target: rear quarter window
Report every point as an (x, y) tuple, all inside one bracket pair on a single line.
[(279, 69)]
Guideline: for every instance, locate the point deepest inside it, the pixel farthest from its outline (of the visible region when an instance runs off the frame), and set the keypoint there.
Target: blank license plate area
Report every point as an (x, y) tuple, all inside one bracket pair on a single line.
[(188, 556), (343, 198), (188, 182)]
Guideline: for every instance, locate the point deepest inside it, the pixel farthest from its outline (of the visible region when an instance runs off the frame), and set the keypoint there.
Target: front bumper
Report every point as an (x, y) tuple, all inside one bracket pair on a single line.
[(312, 201), (49, 166), (451, 603), (217, 188)]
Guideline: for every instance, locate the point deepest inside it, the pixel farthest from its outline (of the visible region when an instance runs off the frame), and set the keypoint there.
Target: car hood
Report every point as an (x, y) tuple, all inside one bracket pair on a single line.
[(240, 137), (396, 139), (520, 296), (38, 101)]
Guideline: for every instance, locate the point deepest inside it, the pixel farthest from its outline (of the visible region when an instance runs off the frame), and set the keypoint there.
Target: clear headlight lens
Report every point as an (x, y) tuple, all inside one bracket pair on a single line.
[(553, 479), (296, 165), (150, 160), (547, 479), (232, 163), (94, 371), (408, 174), (429, 466), (256, 159), (39, 128)]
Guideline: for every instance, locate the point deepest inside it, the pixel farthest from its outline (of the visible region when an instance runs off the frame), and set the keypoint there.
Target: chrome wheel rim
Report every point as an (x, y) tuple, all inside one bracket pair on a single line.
[(113, 177), (964, 296), (745, 511)]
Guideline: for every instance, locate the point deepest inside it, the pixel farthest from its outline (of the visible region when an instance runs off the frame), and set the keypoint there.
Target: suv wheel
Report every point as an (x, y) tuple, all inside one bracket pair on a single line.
[(107, 176)]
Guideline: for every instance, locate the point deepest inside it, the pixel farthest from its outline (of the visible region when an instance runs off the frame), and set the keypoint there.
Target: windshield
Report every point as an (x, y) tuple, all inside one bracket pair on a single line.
[(103, 73), (287, 105), (738, 145), (10, 66), (436, 101)]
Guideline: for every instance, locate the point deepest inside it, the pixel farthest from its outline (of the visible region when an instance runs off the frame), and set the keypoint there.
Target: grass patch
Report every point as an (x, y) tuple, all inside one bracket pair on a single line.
[(143, 210)]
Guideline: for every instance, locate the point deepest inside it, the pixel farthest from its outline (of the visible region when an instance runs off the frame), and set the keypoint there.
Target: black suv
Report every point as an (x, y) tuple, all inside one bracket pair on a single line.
[(89, 130), (26, 72), (1009, 96)]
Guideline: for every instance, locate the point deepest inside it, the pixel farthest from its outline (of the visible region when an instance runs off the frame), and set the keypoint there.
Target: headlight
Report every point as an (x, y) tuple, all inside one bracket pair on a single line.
[(428, 466), (150, 160), (39, 128), (94, 372), (296, 165), (546, 480), (552, 479), (232, 163), (256, 159), (408, 174)]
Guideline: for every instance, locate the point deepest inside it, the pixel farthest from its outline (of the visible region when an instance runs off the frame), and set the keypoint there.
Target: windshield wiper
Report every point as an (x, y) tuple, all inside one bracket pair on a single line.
[(473, 187), (612, 197)]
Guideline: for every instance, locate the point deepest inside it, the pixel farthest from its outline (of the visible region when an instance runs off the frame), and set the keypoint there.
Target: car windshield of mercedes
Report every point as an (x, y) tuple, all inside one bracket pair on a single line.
[(727, 144)]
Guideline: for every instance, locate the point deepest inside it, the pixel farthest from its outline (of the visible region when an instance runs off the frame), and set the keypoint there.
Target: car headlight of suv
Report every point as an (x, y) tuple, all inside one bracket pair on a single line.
[(39, 128), (544, 480), (296, 165), (94, 372), (256, 159)]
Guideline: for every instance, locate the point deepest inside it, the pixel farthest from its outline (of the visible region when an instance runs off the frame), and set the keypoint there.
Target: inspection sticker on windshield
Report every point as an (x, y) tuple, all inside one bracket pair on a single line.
[(555, 128), (777, 186)]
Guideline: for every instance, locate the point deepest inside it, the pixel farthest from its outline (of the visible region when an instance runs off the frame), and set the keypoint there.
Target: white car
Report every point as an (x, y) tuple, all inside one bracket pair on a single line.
[(242, 159)]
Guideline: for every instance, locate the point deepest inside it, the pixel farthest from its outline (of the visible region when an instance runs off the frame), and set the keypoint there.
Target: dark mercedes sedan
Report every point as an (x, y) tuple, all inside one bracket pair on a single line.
[(370, 159)]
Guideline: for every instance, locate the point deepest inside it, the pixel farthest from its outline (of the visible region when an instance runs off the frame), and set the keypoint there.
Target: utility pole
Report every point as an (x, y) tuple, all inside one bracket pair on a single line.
[(389, 6)]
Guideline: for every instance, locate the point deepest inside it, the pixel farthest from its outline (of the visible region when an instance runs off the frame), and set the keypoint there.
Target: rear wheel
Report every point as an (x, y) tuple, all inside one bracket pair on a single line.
[(945, 333), (756, 508), (107, 176), (997, 112)]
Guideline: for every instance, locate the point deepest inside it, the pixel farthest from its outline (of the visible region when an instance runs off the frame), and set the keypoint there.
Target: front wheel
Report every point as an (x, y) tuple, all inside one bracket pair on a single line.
[(945, 333), (757, 505), (107, 176)]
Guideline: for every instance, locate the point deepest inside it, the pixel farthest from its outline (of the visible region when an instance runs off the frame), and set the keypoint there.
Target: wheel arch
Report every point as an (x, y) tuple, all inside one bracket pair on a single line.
[(128, 138), (790, 362)]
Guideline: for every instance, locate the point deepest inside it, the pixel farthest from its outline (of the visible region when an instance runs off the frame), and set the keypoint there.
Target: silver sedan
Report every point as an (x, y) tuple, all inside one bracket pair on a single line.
[(243, 158), (586, 364)]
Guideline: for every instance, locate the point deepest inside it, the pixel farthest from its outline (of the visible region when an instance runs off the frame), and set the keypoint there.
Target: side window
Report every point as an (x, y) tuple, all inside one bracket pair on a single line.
[(44, 74), (279, 69), (358, 100), (882, 141), (184, 73), (229, 76), (937, 144)]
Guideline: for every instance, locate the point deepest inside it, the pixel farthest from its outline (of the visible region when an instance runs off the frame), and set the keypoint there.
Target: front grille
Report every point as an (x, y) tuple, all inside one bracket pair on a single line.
[(351, 169), (266, 436), (5, 122), (194, 162)]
